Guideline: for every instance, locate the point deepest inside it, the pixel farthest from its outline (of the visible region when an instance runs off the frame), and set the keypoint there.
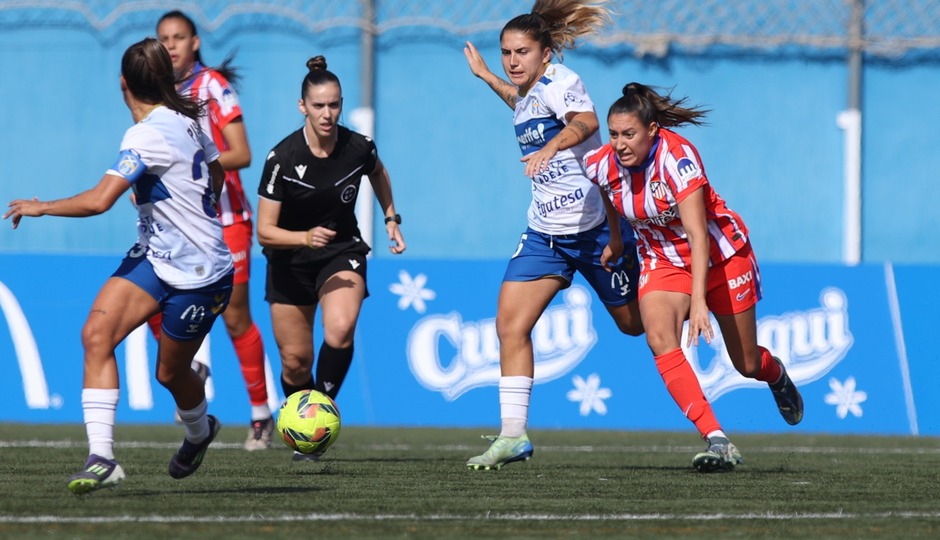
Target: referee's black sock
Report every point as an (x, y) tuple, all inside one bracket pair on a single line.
[(332, 366), (290, 388)]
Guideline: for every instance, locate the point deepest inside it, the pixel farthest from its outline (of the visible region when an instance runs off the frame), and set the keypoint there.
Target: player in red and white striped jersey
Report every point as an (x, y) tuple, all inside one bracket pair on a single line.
[(223, 121), (696, 257)]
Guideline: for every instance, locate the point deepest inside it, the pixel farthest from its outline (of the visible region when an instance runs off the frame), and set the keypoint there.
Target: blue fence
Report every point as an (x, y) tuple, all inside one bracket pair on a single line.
[(427, 354)]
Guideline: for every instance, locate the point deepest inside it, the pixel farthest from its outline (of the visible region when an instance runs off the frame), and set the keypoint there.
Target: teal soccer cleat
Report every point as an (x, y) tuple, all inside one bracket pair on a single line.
[(502, 451)]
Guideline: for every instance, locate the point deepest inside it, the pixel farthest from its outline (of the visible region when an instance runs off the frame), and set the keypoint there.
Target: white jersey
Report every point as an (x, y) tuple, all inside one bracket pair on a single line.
[(165, 158), (564, 201)]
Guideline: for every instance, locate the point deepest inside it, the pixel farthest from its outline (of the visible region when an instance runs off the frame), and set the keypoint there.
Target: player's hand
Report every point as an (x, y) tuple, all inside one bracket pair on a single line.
[(318, 237), (477, 65), (396, 243), (610, 256), (539, 161), (700, 323), (22, 207)]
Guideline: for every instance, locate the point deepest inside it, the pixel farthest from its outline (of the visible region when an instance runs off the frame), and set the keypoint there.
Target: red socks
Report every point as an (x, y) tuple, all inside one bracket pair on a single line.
[(250, 352), (769, 368), (685, 389), (154, 324)]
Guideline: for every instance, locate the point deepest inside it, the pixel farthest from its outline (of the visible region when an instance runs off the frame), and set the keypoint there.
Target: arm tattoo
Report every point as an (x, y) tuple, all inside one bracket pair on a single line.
[(583, 131), (507, 92), (577, 130)]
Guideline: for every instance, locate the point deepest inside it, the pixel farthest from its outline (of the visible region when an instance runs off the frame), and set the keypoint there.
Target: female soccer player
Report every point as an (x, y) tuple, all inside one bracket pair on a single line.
[(180, 266), (696, 258), (555, 125), (224, 123), (307, 225)]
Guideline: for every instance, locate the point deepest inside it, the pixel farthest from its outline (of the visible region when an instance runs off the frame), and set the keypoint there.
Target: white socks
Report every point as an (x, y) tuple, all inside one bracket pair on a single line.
[(260, 412), (196, 422), (99, 406), (514, 393)]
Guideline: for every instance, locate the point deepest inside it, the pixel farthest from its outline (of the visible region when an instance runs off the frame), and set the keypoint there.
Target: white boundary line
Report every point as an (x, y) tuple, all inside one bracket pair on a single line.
[(625, 449), (457, 517)]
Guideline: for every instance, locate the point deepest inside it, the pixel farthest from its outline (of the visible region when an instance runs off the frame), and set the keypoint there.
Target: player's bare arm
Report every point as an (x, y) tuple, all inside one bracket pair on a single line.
[(504, 89)]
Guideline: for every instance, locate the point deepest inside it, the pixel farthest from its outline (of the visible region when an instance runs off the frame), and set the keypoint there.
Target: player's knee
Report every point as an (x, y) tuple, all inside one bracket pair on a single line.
[(660, 342), (631, 327)]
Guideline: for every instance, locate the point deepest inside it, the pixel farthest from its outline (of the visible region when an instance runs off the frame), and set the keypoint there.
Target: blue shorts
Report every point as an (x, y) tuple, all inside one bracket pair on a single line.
[(540, 255), (188, 314)]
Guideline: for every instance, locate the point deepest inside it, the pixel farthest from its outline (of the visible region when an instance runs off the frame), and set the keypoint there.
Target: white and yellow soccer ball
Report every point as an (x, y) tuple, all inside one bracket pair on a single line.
[(309, 422)]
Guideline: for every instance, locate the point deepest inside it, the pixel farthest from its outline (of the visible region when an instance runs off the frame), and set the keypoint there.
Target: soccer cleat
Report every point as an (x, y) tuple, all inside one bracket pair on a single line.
[(788, 398), (259, 434), (189, 457), (502, 451), (98, 473), (721, 455)]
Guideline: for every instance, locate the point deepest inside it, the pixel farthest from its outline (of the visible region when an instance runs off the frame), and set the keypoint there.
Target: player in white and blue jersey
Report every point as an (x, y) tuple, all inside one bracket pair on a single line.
[(180, 265), (569, 226)]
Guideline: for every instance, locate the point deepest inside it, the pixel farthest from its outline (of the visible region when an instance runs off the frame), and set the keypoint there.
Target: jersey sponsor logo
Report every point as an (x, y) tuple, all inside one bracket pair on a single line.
[(270, 187), (620, 280), (556, 169), (349, 194), (687, 169), (810, 344), (195, 314), (301, 170), (228, 97), (661, 220), (741, 280), (562, 338), (559, 202), (534, 133)]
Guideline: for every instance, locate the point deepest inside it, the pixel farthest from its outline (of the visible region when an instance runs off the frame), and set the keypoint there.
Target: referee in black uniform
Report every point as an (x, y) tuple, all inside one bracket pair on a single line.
[(307, 226)]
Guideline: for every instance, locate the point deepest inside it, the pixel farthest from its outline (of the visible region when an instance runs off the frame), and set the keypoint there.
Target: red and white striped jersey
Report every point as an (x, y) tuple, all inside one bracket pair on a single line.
[(222, 107), (648, 197)]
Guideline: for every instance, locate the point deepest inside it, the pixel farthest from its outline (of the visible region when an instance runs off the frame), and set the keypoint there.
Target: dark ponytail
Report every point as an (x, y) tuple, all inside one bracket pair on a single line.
[(317, 75), (148, 74), (649, 106)]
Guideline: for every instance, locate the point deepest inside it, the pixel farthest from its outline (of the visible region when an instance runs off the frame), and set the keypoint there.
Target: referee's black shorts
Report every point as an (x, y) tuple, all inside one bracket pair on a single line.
[(298, 285)]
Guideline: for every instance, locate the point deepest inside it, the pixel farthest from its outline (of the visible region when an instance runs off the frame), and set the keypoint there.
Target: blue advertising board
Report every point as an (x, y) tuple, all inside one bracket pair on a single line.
[(427, 353)]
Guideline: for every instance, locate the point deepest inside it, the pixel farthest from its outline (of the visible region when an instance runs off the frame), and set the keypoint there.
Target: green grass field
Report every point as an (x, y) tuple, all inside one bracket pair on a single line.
[(387, 483)]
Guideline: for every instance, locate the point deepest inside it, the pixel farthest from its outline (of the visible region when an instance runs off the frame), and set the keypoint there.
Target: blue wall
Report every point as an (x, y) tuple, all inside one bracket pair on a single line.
[(772, 148), (426, 352)]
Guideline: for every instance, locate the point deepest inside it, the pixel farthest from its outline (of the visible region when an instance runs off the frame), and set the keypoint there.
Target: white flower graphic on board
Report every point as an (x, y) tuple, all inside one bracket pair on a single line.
[(845, 397), (590, 394), (411, 291)]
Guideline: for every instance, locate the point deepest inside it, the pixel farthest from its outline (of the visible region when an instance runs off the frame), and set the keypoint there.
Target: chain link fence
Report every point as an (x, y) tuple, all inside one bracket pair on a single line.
[(883, 28)]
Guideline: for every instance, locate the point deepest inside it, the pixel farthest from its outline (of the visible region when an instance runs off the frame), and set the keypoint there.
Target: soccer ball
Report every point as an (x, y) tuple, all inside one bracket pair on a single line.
[(308, 422)]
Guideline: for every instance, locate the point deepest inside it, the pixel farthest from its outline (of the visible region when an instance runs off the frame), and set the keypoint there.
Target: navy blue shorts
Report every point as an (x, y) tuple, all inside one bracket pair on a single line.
[(540, 255), (188, 314)]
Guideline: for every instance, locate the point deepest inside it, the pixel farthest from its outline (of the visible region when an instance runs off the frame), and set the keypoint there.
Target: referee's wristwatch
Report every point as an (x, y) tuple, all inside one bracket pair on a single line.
[(396, 218)]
